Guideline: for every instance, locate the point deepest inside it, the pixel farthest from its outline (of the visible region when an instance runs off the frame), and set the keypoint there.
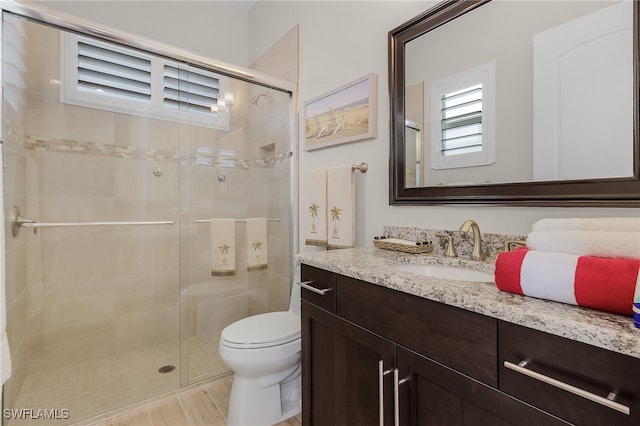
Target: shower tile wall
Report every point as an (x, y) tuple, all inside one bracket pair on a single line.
[(75, 295), (280, 60)]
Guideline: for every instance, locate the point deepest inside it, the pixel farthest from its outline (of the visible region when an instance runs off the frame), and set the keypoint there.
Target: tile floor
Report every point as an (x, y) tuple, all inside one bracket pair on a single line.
[(206, 405), (91, 388)]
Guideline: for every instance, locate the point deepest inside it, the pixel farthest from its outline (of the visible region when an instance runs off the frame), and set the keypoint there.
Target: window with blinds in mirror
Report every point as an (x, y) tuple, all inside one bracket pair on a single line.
[(462, 119)]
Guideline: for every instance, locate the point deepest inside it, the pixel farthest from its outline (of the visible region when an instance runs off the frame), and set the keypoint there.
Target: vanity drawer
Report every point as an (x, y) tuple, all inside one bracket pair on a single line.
[(460, 339), (583, 367), (323, 284)]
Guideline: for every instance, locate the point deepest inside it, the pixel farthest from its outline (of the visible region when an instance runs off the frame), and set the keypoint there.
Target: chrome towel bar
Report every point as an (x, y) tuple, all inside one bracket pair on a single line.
[(18, 222), (237, 220)]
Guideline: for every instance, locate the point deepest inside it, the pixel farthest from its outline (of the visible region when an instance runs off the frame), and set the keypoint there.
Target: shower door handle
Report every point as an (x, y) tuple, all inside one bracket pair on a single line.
[(320, 291)]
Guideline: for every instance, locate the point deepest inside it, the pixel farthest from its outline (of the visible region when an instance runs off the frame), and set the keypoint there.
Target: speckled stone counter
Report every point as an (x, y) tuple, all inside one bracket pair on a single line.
[(608, 331)]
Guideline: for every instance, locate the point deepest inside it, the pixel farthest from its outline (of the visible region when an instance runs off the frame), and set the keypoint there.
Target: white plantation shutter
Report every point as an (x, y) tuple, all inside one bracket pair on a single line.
[(192, 90), (113, 72), (462, 119), (107, 76), (461, 123)]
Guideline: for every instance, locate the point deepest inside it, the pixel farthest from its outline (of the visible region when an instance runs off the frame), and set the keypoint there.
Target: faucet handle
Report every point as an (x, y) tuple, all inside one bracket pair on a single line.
[(450, 250), (508, 245)]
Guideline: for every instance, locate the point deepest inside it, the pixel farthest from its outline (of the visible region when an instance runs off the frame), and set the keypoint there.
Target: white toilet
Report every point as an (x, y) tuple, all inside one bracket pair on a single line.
[(264, 352)]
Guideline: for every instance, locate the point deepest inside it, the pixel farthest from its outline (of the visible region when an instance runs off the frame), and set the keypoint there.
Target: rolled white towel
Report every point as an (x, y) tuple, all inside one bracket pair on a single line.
[(403, 242), (588, 224), (614, 244)]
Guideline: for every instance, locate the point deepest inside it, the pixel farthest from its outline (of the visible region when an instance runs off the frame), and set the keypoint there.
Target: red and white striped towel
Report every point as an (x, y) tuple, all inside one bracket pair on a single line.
[(599, 283)]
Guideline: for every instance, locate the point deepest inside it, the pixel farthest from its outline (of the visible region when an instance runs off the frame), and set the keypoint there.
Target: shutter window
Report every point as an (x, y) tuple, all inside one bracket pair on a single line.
[(461, 123), (103, 75), (191, 90), (112, 72), (463, 119)]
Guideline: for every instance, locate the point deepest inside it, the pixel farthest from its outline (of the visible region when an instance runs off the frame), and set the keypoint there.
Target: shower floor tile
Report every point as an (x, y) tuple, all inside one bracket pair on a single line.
[(92, 388)]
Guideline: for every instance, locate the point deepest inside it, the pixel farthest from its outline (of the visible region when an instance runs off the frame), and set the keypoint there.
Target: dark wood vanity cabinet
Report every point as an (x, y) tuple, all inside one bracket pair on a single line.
[(370, 353)]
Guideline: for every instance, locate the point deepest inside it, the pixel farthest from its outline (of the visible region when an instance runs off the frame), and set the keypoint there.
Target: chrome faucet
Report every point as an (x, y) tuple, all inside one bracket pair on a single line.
[(476, 253)]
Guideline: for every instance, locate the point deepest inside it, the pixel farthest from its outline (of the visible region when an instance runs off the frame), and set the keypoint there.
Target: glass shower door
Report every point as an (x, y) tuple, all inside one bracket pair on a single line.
[(94, 310), (116, 303)]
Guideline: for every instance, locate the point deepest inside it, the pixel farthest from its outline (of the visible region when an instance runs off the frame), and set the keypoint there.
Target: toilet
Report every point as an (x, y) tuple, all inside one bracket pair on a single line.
[(264, 353)]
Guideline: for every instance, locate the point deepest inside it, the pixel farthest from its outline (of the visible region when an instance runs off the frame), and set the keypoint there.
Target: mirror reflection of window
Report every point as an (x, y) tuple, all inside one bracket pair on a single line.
[(461, 121), (462, 117)]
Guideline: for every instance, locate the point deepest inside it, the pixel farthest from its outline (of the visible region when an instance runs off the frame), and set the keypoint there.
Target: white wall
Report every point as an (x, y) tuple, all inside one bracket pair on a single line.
[(217, 29), (339, 42)]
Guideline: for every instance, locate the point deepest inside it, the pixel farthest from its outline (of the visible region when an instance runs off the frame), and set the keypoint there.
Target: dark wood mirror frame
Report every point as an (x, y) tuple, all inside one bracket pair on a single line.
[(612, 192)]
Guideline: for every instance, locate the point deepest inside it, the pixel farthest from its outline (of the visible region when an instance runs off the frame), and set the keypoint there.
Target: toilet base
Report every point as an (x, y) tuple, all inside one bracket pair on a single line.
[(251, 404)]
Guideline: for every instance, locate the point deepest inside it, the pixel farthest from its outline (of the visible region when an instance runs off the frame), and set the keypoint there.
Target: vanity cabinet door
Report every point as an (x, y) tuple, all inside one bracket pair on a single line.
[(432, 394), (341, 372)]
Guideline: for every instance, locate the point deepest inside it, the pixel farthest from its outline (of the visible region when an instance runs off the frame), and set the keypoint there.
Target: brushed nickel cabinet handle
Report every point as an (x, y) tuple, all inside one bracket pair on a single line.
[(381, 374), (320, 291), (396, 396), (607, 402)]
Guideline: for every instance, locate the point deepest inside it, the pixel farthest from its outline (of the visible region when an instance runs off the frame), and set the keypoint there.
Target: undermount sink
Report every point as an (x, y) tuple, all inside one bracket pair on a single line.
[(448, 272)]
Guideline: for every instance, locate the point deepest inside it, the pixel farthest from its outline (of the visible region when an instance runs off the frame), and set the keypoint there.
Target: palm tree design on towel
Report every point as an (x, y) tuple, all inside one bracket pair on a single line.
[(224, 249), (313, 211), (335, 218), (257, 247)]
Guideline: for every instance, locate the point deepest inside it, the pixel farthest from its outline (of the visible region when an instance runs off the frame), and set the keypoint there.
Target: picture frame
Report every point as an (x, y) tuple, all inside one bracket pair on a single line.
[(346, 114)]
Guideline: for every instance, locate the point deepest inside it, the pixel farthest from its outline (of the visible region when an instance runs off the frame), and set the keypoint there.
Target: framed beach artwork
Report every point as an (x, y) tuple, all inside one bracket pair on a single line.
[(345, 114)]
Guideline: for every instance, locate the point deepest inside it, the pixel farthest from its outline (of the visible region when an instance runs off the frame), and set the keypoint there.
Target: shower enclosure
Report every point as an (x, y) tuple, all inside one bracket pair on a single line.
[(116, 153)]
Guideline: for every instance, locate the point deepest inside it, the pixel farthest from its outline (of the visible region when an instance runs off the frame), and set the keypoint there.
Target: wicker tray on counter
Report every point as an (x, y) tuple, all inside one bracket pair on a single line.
[(425, 247)]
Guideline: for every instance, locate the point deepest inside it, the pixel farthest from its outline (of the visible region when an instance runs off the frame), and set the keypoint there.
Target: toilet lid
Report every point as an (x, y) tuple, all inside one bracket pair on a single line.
[(262, 330)]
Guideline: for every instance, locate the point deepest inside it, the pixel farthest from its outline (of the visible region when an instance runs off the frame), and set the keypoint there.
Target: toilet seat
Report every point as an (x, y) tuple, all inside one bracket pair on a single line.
[(263, 330)]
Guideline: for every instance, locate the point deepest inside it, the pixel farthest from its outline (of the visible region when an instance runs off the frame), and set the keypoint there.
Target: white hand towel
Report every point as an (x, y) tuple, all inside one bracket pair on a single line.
[(626, 224), (314, 205), (256, 244), (340, 207), (223, 247), (615, 244)]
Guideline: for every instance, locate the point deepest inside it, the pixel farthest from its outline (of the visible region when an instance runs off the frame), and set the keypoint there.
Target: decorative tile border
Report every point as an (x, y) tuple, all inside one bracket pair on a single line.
[(47, 144)]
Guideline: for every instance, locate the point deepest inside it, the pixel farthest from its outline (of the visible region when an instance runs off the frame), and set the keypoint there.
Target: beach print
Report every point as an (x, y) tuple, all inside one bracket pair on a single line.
[(344, 115)]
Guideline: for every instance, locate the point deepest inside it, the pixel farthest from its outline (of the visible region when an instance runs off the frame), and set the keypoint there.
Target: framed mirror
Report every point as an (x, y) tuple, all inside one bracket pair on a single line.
[(516, 103)]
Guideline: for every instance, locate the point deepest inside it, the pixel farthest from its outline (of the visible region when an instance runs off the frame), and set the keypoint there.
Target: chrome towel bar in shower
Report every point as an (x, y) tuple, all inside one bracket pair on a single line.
[(17, 222), (237, 220)]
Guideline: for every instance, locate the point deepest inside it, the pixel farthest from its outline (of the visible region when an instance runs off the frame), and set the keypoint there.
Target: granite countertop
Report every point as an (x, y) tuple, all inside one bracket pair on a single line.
[(609, 331)]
